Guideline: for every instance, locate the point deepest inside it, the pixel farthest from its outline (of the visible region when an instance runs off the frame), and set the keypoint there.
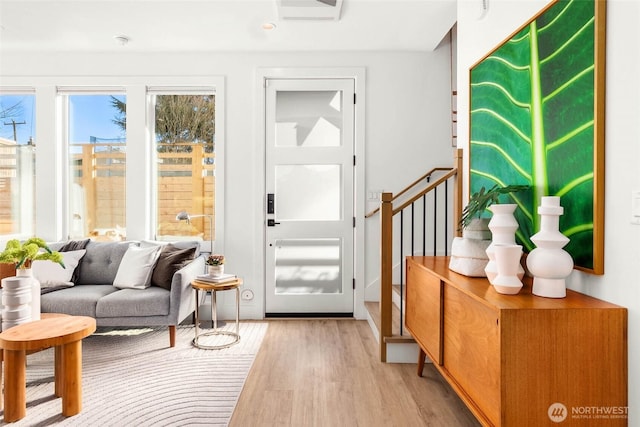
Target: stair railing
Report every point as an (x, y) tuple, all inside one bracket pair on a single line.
[(427, 185)]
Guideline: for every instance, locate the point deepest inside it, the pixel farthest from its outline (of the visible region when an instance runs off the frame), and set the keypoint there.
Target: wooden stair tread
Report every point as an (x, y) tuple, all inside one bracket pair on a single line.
[(400, 339), (396, 289), (373, 307)]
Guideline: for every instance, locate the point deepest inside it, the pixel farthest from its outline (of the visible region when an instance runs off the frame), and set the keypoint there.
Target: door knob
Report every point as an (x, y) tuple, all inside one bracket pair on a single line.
[(272, 223)]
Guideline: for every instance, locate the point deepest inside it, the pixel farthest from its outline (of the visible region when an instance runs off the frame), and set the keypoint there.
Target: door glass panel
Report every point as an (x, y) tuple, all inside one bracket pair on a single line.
[(308, 119), (308, 192), (308, 266)]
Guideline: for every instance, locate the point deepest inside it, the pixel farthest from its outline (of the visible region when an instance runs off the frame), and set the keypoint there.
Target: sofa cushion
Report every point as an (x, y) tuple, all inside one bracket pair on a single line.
[(180, 244), (74, 245), (100, 264), (136, 267), (171, 260), (76, 301), (152, 301), (51, 274)]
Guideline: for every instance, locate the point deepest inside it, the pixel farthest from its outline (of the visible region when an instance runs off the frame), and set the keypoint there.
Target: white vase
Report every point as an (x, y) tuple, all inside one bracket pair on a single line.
[(548, 262), (216, 270), (503, 226), (507, 259), (35, 291), (16, 301)]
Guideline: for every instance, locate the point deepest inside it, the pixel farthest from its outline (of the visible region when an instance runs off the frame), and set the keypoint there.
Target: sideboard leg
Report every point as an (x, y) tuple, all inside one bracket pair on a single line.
[(421, 358)]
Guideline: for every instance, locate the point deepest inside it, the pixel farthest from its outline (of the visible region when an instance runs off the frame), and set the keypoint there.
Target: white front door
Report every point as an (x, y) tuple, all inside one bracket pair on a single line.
[(309, 225)]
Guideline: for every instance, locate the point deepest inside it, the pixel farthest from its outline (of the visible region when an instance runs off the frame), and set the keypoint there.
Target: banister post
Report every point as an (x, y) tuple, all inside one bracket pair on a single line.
[(386, 270), (457, 192)]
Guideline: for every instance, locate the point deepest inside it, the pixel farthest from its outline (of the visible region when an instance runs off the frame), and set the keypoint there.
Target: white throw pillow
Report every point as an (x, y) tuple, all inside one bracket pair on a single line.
[(136, 267), (52, 274)]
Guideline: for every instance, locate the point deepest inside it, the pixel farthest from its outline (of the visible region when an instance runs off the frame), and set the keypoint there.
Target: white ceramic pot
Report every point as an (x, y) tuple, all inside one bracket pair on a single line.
[(468, 253), (478, 228), (16, 301), (216, 270)]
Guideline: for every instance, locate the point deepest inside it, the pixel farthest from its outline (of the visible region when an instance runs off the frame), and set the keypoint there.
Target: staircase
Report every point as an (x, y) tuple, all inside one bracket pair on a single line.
[(416, 221)]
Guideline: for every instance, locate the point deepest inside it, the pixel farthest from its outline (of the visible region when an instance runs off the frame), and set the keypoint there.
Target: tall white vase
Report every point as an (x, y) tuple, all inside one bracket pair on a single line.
[(548, 262), (16, 301), (503, 226), (35, 291)]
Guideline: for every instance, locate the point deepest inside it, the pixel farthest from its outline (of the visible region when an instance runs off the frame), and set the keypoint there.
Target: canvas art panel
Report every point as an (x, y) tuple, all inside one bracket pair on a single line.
[(537, 118)]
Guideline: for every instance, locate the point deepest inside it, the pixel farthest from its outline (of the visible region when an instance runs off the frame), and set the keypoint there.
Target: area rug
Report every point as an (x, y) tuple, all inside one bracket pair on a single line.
[(133, 378)]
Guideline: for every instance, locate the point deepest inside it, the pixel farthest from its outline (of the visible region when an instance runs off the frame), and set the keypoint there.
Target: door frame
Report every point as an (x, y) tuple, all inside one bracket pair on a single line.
[(358, 75)]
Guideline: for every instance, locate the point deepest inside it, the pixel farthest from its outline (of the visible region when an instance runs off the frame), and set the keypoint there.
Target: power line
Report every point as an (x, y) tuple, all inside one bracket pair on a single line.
[(14, 124)]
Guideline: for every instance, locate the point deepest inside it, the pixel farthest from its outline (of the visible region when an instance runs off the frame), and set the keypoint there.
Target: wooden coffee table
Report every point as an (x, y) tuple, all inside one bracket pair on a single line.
[(65, 333)]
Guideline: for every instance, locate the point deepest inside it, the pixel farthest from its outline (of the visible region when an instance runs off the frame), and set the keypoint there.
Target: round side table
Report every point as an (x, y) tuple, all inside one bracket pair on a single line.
[(203, 286)]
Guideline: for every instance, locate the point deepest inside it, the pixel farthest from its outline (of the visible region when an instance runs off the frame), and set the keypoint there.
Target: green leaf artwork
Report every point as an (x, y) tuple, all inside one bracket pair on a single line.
[(532, 122)]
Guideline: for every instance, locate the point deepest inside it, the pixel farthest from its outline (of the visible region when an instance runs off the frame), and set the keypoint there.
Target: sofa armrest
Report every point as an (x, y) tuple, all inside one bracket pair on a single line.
[(182, 302)]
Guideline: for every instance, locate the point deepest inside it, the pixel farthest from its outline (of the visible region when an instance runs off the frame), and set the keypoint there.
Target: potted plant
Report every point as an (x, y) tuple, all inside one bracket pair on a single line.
[(482, 199), (22, 255), (468, 253), (215, 263)]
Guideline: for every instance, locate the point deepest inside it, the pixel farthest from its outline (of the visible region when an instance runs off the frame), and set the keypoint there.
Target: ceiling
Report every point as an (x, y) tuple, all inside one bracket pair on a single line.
[(219, 25)]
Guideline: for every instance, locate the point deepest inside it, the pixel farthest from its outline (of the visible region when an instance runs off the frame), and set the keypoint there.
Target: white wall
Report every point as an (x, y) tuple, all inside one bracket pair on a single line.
[(407, 127), (619, 284)]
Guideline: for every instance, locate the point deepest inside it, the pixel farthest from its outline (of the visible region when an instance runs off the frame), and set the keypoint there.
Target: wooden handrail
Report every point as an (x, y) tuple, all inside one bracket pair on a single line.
[(452, 172), (409, 187), (417, 181)]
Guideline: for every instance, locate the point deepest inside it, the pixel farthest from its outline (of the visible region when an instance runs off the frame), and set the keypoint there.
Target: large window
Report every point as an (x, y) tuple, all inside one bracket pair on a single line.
[(17, 163), (96, 136), (183, 136), (118, 158)]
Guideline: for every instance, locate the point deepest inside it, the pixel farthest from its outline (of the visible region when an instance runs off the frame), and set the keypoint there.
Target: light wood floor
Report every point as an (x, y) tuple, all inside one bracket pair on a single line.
[(326, 373)]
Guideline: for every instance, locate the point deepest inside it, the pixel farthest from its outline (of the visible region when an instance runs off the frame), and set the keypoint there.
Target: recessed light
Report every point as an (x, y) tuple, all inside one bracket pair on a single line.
[(268, 26), (122, 39)]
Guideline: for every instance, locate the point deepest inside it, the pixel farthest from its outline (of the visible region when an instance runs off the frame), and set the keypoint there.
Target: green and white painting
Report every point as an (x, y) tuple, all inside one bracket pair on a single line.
[(537, 118)]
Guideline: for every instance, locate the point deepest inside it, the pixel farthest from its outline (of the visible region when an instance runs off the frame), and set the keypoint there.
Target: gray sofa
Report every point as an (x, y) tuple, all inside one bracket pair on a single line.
[(166, 302)]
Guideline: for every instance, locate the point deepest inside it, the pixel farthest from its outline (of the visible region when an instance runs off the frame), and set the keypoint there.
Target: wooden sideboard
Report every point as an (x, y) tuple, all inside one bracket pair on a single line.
[(511, 358)]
